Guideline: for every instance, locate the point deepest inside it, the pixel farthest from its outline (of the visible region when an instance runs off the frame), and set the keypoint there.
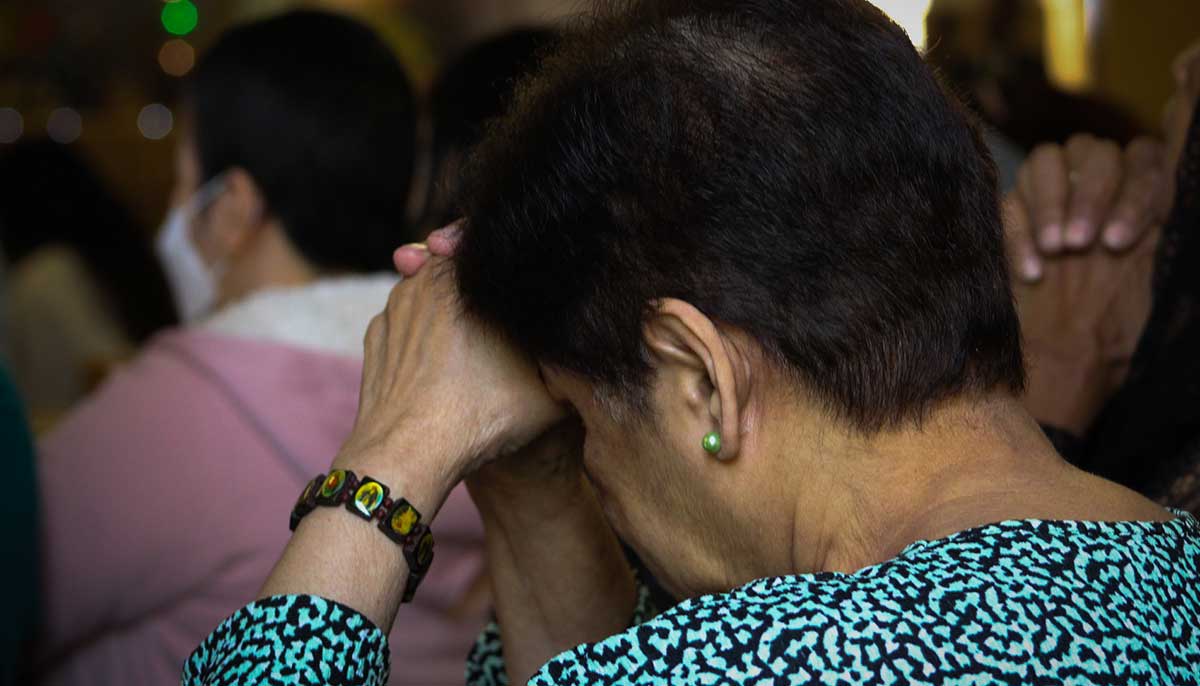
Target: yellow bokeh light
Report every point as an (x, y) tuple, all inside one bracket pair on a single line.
[(1067, 43), (910, 15)]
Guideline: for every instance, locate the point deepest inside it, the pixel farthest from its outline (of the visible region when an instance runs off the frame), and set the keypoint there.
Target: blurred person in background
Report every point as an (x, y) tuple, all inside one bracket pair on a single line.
[(475, 88), (165, 493), (1107, 242), (83, 289), (991, 51)]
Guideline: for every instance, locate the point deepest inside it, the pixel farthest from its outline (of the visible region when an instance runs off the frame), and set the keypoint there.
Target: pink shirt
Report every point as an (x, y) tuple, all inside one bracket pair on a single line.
[(166, 497)]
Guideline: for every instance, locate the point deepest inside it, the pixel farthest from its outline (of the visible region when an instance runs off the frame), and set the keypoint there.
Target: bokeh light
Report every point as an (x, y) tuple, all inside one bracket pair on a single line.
[(1066, 44), (155, 121), (176, 57), (64, 125), (180, 17), (12, 125)]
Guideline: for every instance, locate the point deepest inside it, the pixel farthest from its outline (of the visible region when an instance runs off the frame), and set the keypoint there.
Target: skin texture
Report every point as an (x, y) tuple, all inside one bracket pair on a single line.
[(237, 234), (1082, 228), (792, 490)]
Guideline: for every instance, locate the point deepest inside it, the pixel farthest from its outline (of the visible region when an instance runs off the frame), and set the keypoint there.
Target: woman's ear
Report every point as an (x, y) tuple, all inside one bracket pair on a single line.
[(701, 366), (237, 214)]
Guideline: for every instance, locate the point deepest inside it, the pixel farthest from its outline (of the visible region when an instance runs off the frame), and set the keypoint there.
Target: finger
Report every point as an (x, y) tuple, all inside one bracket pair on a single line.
[(444, 241), (1046, 192), (1022, 252), (410, 258), (1098, 169), (1139, 206), (1077, 146), (1180, 65), (373, 342)]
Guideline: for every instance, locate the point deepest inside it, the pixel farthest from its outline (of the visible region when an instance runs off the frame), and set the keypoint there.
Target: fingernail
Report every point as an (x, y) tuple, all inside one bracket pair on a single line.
[(1116, 235), (1051, 237), (419, 246), (1031, 268), (1078, 233)]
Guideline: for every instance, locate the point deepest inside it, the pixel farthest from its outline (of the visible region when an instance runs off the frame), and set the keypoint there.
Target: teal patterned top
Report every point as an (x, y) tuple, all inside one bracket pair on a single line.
[(1018, 602)]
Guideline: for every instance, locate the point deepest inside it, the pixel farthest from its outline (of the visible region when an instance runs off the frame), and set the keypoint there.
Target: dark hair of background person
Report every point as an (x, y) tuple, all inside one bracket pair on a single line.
[(792, 169), (1023, 104), (52, 197), (475, 88), (320, 113), (1148, 436)]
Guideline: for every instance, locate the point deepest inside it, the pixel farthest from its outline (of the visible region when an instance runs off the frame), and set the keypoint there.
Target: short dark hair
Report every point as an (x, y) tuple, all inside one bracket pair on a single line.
[(790, 167), (472, 90), (477, 86), (318, 110)]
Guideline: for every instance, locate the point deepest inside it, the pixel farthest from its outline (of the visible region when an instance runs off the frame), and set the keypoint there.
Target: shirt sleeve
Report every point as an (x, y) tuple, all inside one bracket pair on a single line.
[(485, 663), (292, 639)]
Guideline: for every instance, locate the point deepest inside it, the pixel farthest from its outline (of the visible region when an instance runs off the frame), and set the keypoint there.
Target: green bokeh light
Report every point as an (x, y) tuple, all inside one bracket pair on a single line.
[(180, 17)]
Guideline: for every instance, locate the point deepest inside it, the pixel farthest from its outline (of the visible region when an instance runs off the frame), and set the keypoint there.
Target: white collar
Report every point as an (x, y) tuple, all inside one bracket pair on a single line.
[(330, 315)]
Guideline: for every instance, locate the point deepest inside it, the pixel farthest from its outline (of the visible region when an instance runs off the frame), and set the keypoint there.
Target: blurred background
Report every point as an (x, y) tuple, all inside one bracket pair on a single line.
[(95, 138), (101, 77), (101, 74)]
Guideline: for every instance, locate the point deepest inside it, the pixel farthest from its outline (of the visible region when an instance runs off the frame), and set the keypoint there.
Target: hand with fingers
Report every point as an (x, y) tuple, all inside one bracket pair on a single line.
[(429, 370), (1071, 197), (552, 456), (1081, 324), (558, 574)]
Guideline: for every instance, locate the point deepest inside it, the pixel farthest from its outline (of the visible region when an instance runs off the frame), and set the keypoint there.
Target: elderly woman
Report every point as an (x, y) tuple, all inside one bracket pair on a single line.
[(756, 251)]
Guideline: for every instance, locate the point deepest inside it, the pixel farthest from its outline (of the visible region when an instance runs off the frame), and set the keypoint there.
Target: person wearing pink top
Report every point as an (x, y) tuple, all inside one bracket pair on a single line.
[(161, 493)]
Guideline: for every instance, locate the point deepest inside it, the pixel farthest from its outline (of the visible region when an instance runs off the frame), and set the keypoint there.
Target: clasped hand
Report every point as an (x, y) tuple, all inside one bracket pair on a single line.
[(1082, 227), (441, 395)]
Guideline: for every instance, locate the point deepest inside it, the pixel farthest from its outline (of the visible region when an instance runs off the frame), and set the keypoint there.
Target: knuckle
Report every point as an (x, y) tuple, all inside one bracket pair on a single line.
[(396, 294), (1045, 152), (1107, 152), (1080, 145), (1144, 147), (373, 329), (377, 322)]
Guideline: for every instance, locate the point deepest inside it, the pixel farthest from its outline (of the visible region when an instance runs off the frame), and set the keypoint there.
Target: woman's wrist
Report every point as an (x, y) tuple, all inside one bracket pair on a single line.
[(336, 555), (423, 486), (414, 464)]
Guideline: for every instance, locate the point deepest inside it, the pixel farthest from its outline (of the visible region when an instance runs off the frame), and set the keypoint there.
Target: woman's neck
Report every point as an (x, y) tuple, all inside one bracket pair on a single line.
[(969, 464), (269, 261)]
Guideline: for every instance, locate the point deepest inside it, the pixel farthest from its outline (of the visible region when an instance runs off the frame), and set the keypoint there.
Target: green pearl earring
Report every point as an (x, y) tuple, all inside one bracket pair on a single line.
[(711, 442)]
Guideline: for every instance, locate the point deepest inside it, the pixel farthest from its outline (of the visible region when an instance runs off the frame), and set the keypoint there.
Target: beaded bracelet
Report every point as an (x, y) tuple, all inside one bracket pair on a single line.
[(368, 498)]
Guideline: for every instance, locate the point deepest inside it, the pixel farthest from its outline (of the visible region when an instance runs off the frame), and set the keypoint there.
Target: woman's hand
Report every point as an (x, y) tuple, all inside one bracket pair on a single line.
[(1069, 197), (559, 577), (543, 468), (1080, 326), (430, 372), (440, 397)]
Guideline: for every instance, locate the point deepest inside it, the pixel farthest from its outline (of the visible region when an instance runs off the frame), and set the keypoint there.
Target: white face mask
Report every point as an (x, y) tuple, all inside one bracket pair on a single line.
[(193, 283)]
